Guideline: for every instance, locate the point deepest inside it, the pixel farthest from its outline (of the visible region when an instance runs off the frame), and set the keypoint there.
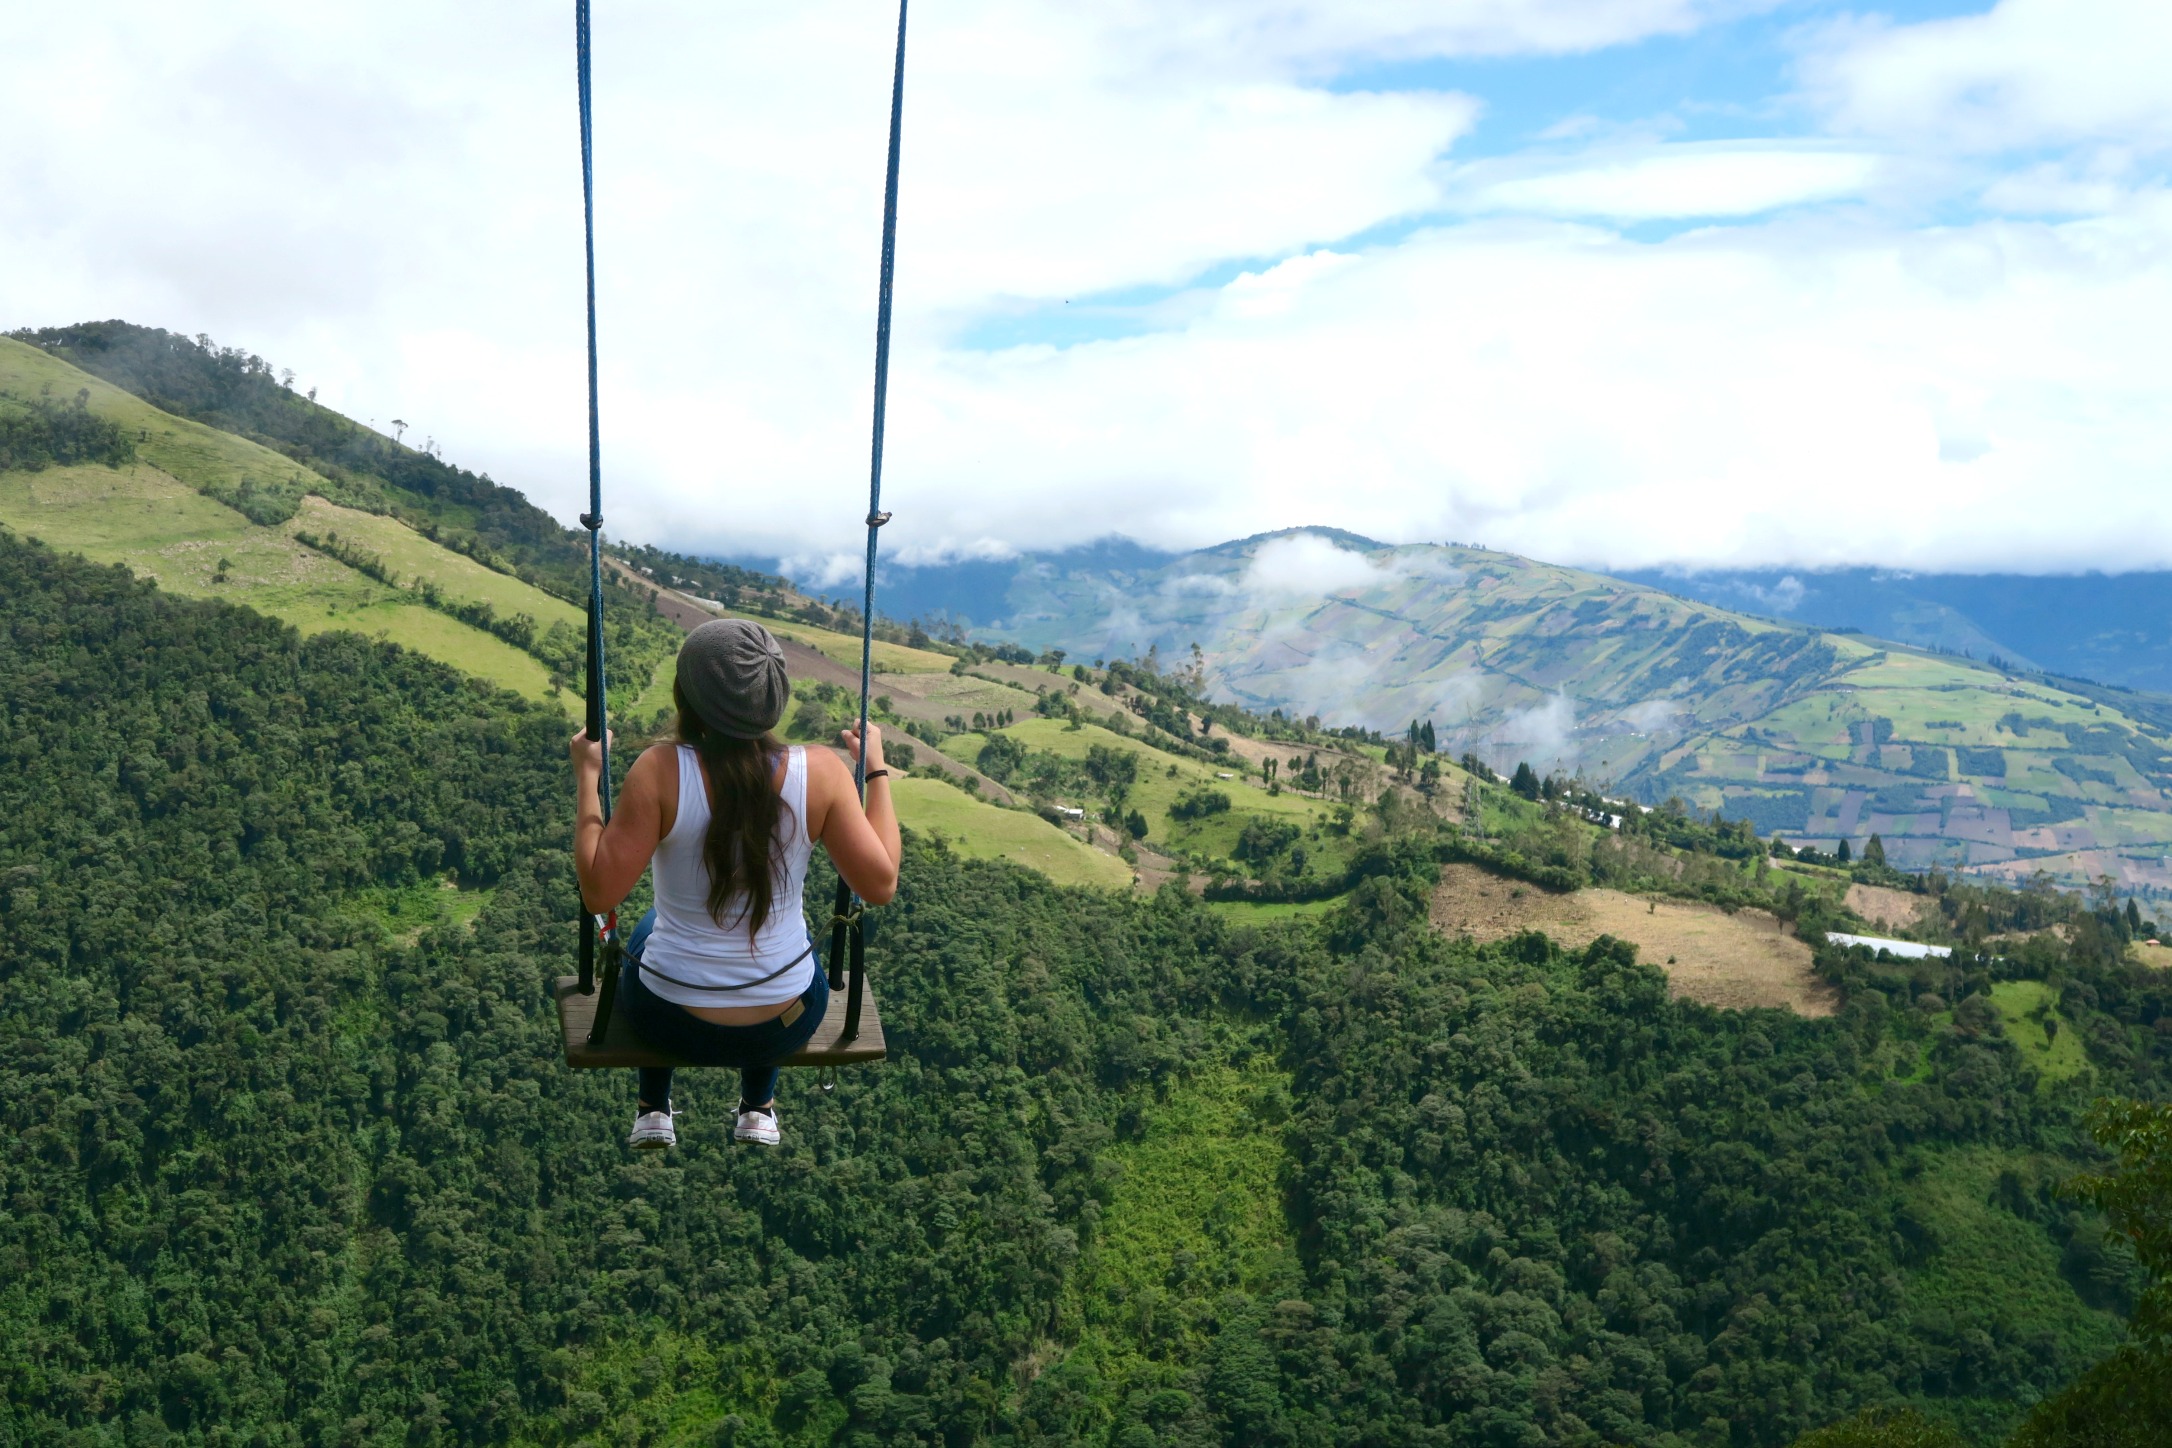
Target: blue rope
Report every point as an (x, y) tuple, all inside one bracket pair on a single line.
[(592, 520), (848, 932), (598, 722), (875, 516)]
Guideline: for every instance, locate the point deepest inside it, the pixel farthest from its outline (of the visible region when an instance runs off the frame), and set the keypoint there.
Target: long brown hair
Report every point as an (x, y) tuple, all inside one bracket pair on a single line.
[(744, 810)]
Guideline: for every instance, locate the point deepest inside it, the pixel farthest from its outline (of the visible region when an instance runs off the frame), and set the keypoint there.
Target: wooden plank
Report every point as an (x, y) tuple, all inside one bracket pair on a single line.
[(620, 1047)]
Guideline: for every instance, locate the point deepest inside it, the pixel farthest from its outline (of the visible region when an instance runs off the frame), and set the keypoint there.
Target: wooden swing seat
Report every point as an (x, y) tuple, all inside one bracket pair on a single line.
[(620, 1047)]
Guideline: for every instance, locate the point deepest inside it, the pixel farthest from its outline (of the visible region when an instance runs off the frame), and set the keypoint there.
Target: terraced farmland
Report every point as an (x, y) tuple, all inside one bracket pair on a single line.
[(1817, 736)]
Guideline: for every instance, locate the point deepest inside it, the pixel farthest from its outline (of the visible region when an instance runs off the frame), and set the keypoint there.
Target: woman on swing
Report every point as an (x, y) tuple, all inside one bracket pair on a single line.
[(722, 971)]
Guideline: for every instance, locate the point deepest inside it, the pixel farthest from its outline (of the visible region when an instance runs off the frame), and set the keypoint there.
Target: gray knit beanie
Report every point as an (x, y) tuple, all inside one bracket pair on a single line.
[(732, 674)]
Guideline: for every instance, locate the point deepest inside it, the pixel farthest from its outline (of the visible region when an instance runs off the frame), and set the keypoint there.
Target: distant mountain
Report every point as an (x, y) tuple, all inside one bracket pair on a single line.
[(1818, 734), (2114, 628)]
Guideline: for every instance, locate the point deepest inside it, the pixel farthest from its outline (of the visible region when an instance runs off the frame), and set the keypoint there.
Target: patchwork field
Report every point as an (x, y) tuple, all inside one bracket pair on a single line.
[(1744, 959), (1951, 765), (1816, 736)]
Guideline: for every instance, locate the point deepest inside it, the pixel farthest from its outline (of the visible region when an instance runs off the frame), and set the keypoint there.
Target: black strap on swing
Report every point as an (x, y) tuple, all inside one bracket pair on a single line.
[(848, 918), (596, 930)]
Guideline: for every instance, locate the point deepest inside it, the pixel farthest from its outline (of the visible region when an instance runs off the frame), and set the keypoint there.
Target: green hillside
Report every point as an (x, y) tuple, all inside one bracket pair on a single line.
[(231, 390), (978, 830), (206, 513), (1818, 736), (296, 1161), (163, 516)]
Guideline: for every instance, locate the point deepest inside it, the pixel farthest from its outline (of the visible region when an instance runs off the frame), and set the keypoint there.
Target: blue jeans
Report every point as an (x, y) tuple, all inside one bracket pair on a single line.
[(671, 1028)]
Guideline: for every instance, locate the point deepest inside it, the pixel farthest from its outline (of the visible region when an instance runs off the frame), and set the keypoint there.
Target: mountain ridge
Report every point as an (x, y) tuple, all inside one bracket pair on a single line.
[(1821, 734)]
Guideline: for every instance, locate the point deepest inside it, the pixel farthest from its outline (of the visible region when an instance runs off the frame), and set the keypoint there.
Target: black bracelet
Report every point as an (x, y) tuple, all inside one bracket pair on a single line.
[(877, 774)]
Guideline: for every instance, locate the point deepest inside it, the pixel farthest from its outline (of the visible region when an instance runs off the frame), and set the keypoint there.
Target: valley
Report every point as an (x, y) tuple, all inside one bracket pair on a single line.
[(1813, 735), (1264, 1068)]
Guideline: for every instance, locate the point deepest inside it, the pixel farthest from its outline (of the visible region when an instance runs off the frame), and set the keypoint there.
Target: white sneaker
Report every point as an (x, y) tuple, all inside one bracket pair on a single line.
[(757, 1126), (652, 1131)]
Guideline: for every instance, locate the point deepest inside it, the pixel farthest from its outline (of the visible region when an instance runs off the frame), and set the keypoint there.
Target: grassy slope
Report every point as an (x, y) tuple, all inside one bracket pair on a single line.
[(1249, 913), (153, 517), (1157, 789), (960, 694), (982, 831), (144, 518), (2024, 1005), (844, 649), (410, 556)]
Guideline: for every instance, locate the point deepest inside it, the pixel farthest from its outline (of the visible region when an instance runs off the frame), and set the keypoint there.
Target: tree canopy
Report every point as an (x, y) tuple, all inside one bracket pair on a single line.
[(296, 1160)]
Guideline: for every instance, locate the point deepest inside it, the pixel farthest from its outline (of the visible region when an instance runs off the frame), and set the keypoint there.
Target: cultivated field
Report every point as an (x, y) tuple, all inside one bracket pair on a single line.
[(192, 545), (845, 649), (1744, 959), (413, 558), (981, 831)]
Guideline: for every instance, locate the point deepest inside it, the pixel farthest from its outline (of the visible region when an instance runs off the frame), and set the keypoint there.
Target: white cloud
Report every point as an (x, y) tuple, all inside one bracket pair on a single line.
[(1307, 565), (1654, 714), (1657, 182), (398, 220), (1543, 735), (2026, 73), (1310, 37), (1777, 393)]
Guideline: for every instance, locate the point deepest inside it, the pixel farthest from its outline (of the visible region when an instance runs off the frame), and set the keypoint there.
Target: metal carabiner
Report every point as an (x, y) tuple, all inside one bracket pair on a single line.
[(826, 1080)]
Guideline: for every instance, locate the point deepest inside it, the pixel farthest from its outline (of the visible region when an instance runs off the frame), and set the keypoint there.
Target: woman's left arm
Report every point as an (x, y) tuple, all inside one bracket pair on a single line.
[(609, 858)]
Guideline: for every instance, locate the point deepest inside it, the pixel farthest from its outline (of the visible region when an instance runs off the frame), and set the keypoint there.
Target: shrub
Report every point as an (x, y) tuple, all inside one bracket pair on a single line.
[(1199, 804)]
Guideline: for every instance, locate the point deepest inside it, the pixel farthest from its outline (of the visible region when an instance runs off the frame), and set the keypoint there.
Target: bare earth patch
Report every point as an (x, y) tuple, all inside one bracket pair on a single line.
[(1738, 960), (1893, 909)]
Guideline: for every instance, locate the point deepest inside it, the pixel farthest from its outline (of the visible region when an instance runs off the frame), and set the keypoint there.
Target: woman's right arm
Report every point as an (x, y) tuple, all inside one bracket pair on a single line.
[(862, 844)]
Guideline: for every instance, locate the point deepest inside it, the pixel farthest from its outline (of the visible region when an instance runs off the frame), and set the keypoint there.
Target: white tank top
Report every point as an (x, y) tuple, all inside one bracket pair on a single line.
[(711, 965)]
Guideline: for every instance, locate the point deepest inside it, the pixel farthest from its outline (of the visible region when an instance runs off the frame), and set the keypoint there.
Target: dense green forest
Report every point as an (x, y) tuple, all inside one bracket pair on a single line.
[(295, 1160)]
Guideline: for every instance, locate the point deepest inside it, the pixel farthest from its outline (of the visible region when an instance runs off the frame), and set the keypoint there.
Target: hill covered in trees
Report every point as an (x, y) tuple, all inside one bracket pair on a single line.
[(296, 1161)]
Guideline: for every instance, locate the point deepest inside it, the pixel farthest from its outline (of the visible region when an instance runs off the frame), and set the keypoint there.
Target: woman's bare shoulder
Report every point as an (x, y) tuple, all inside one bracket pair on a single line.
[(662, 754), (655, 764)]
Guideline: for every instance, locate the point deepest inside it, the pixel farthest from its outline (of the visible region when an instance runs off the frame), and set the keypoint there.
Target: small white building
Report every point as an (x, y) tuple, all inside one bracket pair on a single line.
[(1904, 949)]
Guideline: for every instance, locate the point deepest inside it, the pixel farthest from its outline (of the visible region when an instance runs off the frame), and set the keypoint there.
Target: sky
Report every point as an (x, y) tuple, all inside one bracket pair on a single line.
[(1604, 282)]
